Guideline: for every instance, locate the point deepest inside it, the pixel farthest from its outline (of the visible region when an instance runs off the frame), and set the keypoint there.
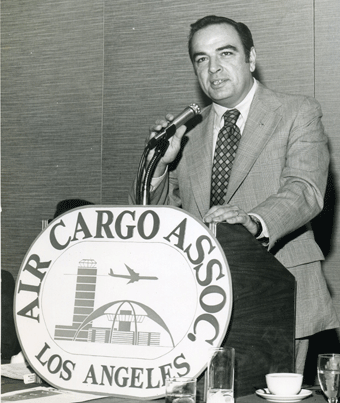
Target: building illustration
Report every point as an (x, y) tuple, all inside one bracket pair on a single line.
[(128, 322)]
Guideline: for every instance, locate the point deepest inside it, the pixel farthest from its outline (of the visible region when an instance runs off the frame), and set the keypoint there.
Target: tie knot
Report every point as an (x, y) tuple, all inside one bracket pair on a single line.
[(231, 116)]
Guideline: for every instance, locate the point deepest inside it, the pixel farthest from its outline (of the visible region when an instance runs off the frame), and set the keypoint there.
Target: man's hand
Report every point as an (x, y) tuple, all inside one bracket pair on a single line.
[(231, 215), (174, 143)]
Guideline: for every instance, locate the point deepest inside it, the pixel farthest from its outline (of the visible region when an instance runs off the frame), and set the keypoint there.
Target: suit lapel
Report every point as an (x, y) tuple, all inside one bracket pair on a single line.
[(261, 123), (200, 161)]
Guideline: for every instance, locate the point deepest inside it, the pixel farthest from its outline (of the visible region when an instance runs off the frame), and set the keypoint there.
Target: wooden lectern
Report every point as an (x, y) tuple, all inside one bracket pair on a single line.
[(262, 325)]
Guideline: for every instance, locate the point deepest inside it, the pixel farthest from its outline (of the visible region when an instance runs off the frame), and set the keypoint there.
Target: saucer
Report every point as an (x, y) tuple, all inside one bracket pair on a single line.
[(289, 398)]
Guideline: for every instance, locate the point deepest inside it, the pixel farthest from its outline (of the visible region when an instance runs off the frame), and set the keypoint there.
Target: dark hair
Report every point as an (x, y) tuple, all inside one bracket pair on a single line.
[(242, 30)]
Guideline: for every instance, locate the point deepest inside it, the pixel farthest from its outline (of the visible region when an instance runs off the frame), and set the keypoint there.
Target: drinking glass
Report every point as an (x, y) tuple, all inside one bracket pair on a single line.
[(220, 380), (329, 375), (180, 390)]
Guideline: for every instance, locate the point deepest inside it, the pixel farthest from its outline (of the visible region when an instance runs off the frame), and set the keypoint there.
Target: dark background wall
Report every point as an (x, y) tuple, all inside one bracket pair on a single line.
[(82, 81)]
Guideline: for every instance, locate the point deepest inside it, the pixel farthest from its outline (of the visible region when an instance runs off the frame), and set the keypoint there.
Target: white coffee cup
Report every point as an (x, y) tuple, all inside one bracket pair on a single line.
[(284, 384)]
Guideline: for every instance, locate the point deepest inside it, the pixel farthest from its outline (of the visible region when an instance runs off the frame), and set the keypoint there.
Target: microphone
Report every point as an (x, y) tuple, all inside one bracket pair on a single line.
[(188, 113)]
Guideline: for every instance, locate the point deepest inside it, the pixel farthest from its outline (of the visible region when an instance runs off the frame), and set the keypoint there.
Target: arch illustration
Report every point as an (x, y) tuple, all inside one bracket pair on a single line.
[(102, 310)]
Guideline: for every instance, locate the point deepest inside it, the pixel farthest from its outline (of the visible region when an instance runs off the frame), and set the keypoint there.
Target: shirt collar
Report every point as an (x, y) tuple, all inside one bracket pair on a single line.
[(243, 106)]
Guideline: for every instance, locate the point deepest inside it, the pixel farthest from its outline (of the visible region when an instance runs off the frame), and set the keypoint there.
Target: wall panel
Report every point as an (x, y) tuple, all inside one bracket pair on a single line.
[(52, 68)]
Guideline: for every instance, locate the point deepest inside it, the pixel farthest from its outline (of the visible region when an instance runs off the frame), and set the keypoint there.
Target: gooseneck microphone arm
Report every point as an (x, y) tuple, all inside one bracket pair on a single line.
[(160, 150), (160, 144)]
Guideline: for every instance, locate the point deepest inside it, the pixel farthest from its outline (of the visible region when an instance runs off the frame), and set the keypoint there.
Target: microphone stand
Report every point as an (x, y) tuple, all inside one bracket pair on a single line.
[(143, 187)]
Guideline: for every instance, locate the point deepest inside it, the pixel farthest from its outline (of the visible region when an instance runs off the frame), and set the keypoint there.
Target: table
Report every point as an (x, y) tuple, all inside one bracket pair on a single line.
[(8, 385)]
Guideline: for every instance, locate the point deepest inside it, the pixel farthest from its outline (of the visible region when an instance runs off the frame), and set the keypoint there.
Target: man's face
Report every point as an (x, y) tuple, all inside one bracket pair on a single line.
[(220, 64)]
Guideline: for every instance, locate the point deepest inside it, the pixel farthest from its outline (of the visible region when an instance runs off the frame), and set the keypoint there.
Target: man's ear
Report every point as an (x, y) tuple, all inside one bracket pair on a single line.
[(252, 59)]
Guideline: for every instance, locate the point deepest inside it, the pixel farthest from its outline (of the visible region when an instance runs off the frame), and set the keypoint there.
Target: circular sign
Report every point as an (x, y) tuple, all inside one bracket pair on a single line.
[(113, 300)]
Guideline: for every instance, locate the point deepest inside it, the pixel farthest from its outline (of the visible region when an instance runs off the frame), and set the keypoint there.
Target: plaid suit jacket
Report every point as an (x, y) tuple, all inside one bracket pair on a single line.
[(280, 173)]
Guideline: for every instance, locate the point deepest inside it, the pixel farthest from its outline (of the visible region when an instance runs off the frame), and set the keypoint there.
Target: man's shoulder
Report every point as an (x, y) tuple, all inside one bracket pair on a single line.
[(276, 99)]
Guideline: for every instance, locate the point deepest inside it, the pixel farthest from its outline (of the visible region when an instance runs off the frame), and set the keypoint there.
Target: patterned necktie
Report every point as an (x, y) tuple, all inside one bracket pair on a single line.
[(225, 151)]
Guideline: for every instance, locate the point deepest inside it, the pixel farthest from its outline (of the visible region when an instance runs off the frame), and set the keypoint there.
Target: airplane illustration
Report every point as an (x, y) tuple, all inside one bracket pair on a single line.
[(133, 276)]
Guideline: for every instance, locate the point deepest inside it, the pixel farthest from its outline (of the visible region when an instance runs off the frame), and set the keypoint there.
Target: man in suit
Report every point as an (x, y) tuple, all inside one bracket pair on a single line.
[(279, 174)]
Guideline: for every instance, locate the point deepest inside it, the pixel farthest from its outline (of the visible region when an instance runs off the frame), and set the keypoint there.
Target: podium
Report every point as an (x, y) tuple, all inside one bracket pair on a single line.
[(262, 325), (114, 299)]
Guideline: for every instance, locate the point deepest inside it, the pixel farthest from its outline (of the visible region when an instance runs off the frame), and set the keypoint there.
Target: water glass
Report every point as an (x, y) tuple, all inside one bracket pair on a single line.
[(220, 379), (180, 390), (329, 375)]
